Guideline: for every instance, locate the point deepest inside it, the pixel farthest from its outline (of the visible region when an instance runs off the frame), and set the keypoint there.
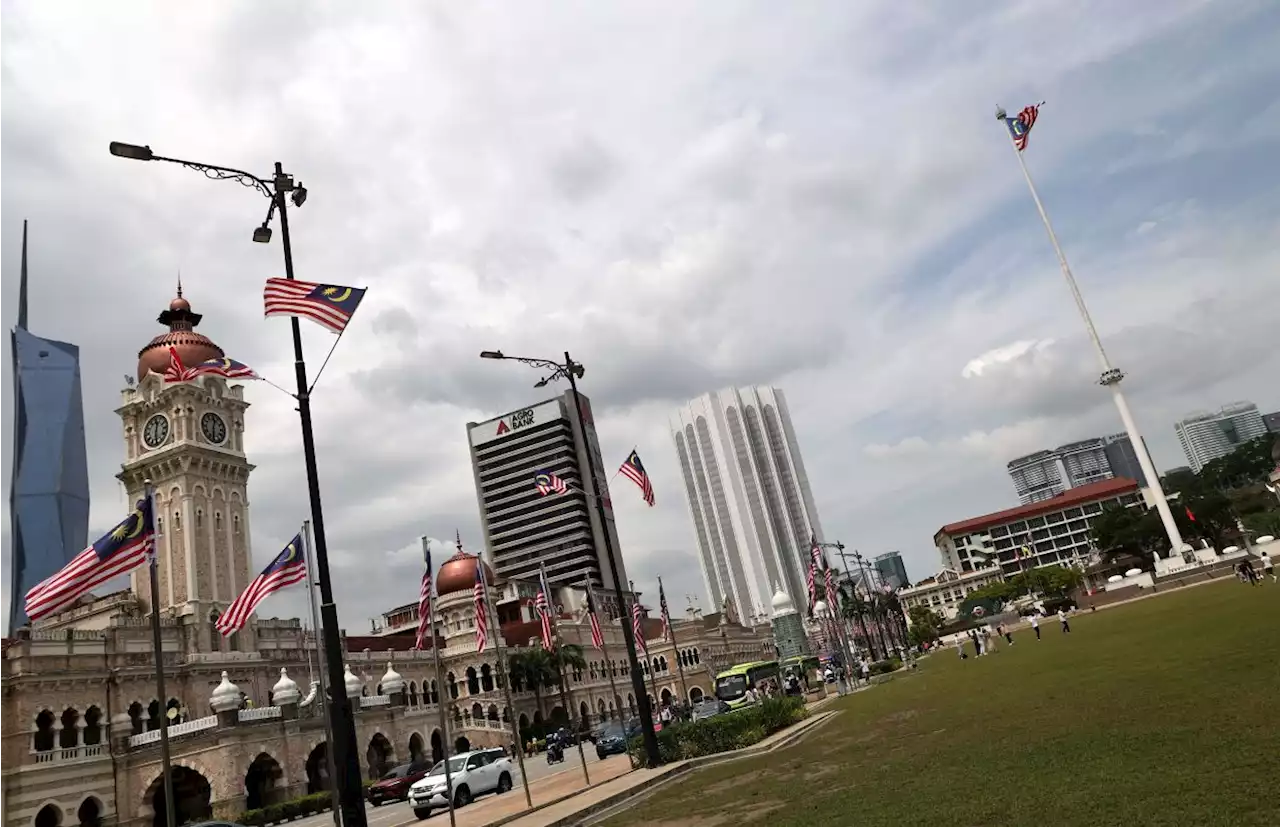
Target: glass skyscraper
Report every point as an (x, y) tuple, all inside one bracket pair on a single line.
[(49, 497)]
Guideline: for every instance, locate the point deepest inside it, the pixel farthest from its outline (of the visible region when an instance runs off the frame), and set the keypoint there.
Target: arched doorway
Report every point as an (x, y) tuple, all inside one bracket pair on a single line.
[(695, 695), (89, 813), (318, 768), (379, 755), (666, 697), (416, 748), (461, 745), (261, 782), (559, 717), (584, 714), (437, 747), (191, 796), (49, 816)]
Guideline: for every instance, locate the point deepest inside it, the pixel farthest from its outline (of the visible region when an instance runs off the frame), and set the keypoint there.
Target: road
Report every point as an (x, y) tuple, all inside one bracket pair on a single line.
[(390, 815)]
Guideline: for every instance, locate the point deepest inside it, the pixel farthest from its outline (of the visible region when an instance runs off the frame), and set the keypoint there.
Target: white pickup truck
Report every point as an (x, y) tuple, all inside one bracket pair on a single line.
[(472, 773)]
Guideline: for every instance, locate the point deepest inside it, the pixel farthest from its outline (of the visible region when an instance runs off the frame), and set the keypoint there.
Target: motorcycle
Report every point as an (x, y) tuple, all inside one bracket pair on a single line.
[(555, 753)]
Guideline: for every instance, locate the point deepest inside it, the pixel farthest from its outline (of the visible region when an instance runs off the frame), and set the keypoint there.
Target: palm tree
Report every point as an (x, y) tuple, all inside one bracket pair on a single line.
[(570, 656), (534, 668), (852, 607)]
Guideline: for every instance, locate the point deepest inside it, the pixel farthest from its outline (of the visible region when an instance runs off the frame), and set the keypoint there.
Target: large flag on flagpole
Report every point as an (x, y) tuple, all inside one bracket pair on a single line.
[(288, 567), (424, 606), (1020, 127), (543, 606), (597, 634), (666, 615), (119, 551), (633, 469), (328, 305), (548, 483), (637, 627)]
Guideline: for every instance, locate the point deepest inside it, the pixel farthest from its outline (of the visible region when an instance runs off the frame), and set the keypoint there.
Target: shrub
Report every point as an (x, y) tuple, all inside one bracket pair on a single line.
[(884, 667), (286, 810), (733, 730)]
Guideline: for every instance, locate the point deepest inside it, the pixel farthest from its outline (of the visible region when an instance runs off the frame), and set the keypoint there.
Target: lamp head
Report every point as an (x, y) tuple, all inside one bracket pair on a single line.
[(262, 234), (299, 195), (578, 369), (491, 354), (132, 151)]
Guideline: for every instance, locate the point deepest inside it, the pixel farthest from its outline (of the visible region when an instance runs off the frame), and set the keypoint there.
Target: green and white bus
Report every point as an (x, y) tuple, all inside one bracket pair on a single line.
[(732, 683)]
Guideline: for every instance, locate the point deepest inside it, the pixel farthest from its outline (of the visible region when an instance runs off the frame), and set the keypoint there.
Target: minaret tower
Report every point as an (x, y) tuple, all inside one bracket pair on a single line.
[(188, 438)]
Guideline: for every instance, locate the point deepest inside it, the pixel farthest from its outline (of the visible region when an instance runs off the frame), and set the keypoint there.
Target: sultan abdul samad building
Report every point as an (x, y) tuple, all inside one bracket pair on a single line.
[(81, 719)]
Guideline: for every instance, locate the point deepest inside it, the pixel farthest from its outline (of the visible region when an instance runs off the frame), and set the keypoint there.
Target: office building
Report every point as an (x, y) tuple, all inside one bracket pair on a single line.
[(1045, 474), (748, 494), (1050, 532), (49, 493), (1206, 436), (891, 570), (1272, 422), (945, 591), (523, 528)]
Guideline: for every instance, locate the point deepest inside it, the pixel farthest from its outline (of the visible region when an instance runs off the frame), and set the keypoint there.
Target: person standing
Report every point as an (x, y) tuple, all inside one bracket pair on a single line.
[(1035, 624), (1004, 632), (1268, 568), (1062, 618)]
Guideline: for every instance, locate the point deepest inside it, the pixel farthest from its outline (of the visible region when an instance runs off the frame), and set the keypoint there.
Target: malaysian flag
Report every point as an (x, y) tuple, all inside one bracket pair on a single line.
[(224, 367), (478, 599), (329, 305), (633, 469), (548, 483), (120, 550), (812, 583), (597, 635), (542, 604), (666, 615), (1020, 127), (288, 567), (424, 607), (637, 628)]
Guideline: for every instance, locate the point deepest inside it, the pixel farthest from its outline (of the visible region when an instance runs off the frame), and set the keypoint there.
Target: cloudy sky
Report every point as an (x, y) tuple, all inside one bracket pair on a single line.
[(686, 196)]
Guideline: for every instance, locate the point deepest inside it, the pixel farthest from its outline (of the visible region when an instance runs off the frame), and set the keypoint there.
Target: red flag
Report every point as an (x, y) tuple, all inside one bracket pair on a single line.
[(424, 608), (1190, 516), (597, 635)]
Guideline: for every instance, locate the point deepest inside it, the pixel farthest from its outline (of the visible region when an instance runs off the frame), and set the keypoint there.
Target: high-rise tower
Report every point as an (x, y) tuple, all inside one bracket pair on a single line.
[(748, 493), (49, 496)]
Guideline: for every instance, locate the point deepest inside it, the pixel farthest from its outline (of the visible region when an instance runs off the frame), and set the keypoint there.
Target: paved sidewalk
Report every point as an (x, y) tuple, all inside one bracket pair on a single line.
[(496, 809)]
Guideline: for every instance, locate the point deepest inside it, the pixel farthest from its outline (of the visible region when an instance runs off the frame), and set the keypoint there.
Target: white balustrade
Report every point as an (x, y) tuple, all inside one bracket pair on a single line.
[(375, 700), (259, 713), (175, 731)]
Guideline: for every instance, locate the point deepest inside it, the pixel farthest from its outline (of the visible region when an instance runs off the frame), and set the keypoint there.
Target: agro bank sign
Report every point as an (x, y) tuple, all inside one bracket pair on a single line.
[(515, 422)]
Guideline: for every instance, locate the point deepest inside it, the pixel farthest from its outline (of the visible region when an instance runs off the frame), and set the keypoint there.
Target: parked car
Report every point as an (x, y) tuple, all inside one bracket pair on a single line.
[(394, 786), (613, 738), (709, 709), (472, 773)]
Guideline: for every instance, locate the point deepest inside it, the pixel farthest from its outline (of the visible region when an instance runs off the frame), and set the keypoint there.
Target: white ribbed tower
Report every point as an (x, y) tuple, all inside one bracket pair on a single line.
[(748, 494)]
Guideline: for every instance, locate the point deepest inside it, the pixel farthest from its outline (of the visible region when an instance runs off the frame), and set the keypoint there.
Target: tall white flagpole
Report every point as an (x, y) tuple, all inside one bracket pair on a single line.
[(325, 706), (1111, 376)]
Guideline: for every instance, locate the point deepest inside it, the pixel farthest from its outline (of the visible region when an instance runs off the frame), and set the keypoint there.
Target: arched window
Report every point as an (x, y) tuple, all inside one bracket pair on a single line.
[(177, 521), (92, 726), (235, 521), (199, 518), (217, 520), (69, 737), (44, 737)]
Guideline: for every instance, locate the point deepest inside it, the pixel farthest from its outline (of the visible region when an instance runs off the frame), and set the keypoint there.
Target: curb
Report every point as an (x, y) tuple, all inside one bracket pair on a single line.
[(624, 799)]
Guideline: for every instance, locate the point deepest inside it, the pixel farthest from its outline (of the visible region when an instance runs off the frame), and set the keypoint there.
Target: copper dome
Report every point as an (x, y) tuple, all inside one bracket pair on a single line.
[(193, 348), (459, 574)]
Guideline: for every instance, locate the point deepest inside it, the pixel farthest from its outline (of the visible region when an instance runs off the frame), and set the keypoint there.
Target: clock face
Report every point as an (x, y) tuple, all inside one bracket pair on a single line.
[(156, 431), (214, 429)]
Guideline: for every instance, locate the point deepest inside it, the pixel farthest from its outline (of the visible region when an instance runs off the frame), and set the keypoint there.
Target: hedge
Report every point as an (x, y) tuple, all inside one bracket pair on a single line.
[(730, 731), (884, 667), (286, 810)]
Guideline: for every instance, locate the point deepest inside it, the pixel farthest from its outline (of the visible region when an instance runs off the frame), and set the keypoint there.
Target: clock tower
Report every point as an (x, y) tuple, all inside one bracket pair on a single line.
[(188, 439)]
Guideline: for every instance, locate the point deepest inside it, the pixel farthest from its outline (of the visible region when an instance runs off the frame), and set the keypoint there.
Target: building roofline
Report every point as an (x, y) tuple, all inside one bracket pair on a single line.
[(1103, 489)]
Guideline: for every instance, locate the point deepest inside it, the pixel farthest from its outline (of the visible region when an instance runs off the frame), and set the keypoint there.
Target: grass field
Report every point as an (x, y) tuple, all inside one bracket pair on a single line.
[(1160, 712)]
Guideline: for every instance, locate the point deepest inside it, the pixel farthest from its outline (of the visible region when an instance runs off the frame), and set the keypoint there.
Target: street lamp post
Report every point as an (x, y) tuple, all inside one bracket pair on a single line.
[(573, 371), (280, 189)]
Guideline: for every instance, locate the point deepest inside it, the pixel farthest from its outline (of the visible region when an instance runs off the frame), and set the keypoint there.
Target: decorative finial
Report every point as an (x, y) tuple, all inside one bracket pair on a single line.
[(179, 282), (458, 536), (1000, 113)]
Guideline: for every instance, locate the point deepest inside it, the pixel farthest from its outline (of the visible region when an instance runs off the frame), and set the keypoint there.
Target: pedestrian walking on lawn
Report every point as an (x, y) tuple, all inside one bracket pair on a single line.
[(1035, 624), (1004, 632), (1062, 618), (1268, 568)]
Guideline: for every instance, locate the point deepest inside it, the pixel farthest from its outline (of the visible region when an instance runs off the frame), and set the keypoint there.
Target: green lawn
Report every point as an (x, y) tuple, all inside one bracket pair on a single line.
[(1161, 712)]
